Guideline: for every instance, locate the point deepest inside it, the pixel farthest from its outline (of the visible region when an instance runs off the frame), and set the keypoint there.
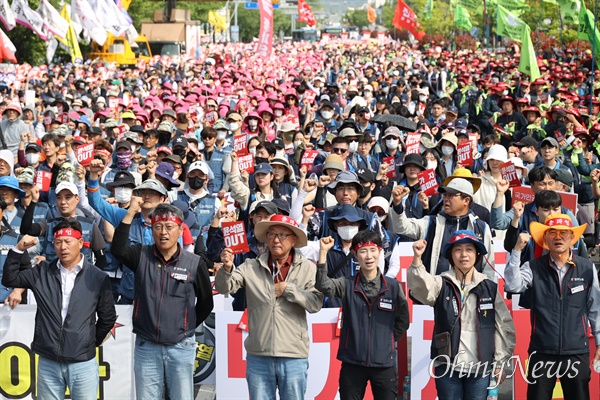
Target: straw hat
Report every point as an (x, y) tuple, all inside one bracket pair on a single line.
[(261, 229), (555, 221)]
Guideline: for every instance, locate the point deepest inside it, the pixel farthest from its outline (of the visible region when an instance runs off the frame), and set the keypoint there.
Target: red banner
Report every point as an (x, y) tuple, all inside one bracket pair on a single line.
[(525, 195), (405, 18), (308, 159), (464, 154), (305, 14), (113, 103), (265, 38), (413, 142), (240, 144), (121, 129), (85, 154), (509, 173), (42, 180), (391, 172), (246, 163), (310, 96), (428, 182), (234, 235)]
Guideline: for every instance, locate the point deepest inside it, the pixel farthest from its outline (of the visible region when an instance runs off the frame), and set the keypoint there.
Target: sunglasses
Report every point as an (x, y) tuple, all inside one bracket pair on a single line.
[(339, 151)]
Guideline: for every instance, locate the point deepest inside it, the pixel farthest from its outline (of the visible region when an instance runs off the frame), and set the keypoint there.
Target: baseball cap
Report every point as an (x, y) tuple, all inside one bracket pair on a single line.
[(122, 178), (564, 176), (527, 141), (70, 186), (278, 143), (263, 168), (202, 166), (123, 144), (266, 205), (181, 142), (164, 149), (549, 140), (366, 175), (33, 146), (458, 185)]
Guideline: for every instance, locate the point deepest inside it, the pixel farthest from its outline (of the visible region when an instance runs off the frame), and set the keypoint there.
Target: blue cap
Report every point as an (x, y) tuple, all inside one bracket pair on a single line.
[(347, 212), (86, 120), (263, 168), (12, 183), (464, 236)]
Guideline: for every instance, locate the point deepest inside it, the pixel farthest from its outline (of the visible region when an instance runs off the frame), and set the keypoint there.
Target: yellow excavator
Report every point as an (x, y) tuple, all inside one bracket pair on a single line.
[(119, 50)]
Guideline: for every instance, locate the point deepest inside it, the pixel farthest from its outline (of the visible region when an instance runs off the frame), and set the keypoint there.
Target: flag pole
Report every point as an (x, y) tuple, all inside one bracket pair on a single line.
[(593, 53), (487, 25)]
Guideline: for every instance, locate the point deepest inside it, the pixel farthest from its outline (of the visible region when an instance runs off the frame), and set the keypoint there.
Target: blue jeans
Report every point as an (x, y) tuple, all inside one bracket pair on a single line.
[(54, 377), (450, 386), (266, 374), (156, 364)]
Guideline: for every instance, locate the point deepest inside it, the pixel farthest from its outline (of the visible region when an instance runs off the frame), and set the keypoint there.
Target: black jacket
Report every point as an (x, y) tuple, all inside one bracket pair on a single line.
[(172, 297), (76, 339)]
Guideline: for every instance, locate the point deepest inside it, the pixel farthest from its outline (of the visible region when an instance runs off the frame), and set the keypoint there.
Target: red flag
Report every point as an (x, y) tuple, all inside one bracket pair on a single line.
[(5, 52), (305, 14), (405, 18), (265, 39)]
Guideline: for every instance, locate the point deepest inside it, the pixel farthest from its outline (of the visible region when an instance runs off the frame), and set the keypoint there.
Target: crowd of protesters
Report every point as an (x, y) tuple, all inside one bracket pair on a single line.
[(169, 139)]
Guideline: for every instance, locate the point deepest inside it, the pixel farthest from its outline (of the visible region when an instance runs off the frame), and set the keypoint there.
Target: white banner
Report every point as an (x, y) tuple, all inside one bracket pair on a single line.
[(82, 11), (6, 15), (29, 18), (52, 19)]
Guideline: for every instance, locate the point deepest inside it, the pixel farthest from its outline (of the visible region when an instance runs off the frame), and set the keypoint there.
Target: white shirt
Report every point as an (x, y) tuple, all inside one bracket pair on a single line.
[(67, 279)]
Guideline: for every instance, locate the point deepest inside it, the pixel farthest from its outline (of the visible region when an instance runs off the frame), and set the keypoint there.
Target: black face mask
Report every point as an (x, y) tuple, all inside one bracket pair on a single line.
[(196, 182), (164, 138), (191, 157), (258, 160), (180, 153)]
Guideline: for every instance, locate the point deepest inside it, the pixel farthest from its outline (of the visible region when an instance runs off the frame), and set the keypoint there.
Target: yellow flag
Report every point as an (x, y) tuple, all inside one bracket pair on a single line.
[(371, 14), (70, 40), (216, 21)]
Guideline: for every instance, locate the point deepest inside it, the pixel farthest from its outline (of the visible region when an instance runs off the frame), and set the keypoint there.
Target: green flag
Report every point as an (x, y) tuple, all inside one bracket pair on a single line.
[(472, 5), (517, 7), (550, 2), (508, 24), (570, 11), (461, 18), (581, 29), (528, 63), (428, 10), (591, 31)]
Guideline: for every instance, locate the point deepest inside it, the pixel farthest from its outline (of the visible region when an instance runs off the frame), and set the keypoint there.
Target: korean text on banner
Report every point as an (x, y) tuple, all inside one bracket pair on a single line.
[(413, 142), (85, 154), (465, 154), (391, 162), (235, 238), (246, 163), (428, 182), (509, 173), (265, 38), (308, 159)]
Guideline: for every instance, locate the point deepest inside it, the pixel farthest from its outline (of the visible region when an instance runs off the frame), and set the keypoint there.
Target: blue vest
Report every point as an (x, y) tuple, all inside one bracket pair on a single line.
[(204, 210), (39, 214), (216, 165), (559, 312), (87, 226), (8, 240), (367, 336), (447, 310)]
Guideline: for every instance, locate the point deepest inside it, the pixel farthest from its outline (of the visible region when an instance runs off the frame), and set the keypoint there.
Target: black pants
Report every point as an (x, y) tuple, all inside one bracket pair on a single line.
[(573, 372), (354, 378)]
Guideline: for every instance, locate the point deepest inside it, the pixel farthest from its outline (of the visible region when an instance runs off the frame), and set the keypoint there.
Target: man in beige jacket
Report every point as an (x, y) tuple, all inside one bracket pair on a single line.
[(280, 288)]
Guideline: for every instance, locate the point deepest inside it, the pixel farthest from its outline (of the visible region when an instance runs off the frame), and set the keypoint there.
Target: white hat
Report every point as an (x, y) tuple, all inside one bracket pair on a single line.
[(497, 152), (380, 202), (368, 87), (8, 156), (100, 100), (202, 166), (517, 162), (458, 185), (70, 186)]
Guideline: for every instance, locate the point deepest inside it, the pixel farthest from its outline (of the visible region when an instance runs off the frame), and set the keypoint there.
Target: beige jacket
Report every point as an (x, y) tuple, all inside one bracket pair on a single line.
[(277, 327), (426, 288)]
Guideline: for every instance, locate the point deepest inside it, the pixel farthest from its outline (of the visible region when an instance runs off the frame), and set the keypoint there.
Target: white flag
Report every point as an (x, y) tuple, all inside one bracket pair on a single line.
[(7, 42), (51, 46), (29, 18), (6, 15), (89, 21), (131, 35), (110, 16), (52, 19)]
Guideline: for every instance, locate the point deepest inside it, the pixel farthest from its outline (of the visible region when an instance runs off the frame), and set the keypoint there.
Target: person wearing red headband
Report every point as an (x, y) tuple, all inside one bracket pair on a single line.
[(75, 312), (173, 296), (375, 310)]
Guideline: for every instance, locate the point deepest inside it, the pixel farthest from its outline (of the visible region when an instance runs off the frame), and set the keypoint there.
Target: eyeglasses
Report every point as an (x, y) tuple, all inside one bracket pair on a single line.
[(280, 236), (208, 138), (447, 195), (337, 150), (563, 234)]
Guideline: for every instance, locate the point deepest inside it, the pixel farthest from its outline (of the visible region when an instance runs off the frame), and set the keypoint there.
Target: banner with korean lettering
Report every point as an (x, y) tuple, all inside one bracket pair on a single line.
[(246, 163), (413, 143), (240, 144), (43, 179), (265, 38), (391, 162), (428, 182), (234, 235), (525, 194), (509, 173), (405, 18), (464, 154), (85, 154), (308, 159)]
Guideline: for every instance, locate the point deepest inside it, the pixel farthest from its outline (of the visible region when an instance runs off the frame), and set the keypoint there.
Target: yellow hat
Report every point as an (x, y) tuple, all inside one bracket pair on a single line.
[(555, 221), (465, 174)]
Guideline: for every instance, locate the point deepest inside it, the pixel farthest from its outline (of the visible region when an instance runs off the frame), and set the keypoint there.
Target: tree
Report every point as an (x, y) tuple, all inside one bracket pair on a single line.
[(249, 23), (357, 18)]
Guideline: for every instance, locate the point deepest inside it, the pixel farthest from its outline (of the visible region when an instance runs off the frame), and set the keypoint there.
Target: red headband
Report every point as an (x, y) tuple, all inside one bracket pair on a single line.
[(68, 233), (364, 244), (559, 221), (167, 217), (103, 152)]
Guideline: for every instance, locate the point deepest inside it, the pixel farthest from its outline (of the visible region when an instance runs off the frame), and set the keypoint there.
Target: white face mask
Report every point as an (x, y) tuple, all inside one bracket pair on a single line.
[(233, 127), (392, 144), (347, 232), (133, 148), (252, 123), (505, 93), (278, 113), (32, 158), (353, 147), (175, 175), (252, 151), (221, 135), (123, 194), (76, 108), (447, 150), (432, 165), (422, 98), (327, 114), (297, 143), (280, 154)]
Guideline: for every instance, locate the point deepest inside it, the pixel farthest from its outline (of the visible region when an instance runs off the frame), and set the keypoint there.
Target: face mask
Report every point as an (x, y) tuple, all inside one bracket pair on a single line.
[(327, 114), (221, 135), (124, 160), (447, 150), (123, 195), (422, 98), (392, 144), (252, 123), (252, 151), (353, 147), (347, 232), (289, 136), (32, 158), (233, 127), (297, 143), (76, 108), (175, 175), (196, 182), (134, 148), (164, 138), (179, 152), (62, 145), (385, 90), (432, 165), (259, 160), (280, 154), (520, 174), (278, 113)]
